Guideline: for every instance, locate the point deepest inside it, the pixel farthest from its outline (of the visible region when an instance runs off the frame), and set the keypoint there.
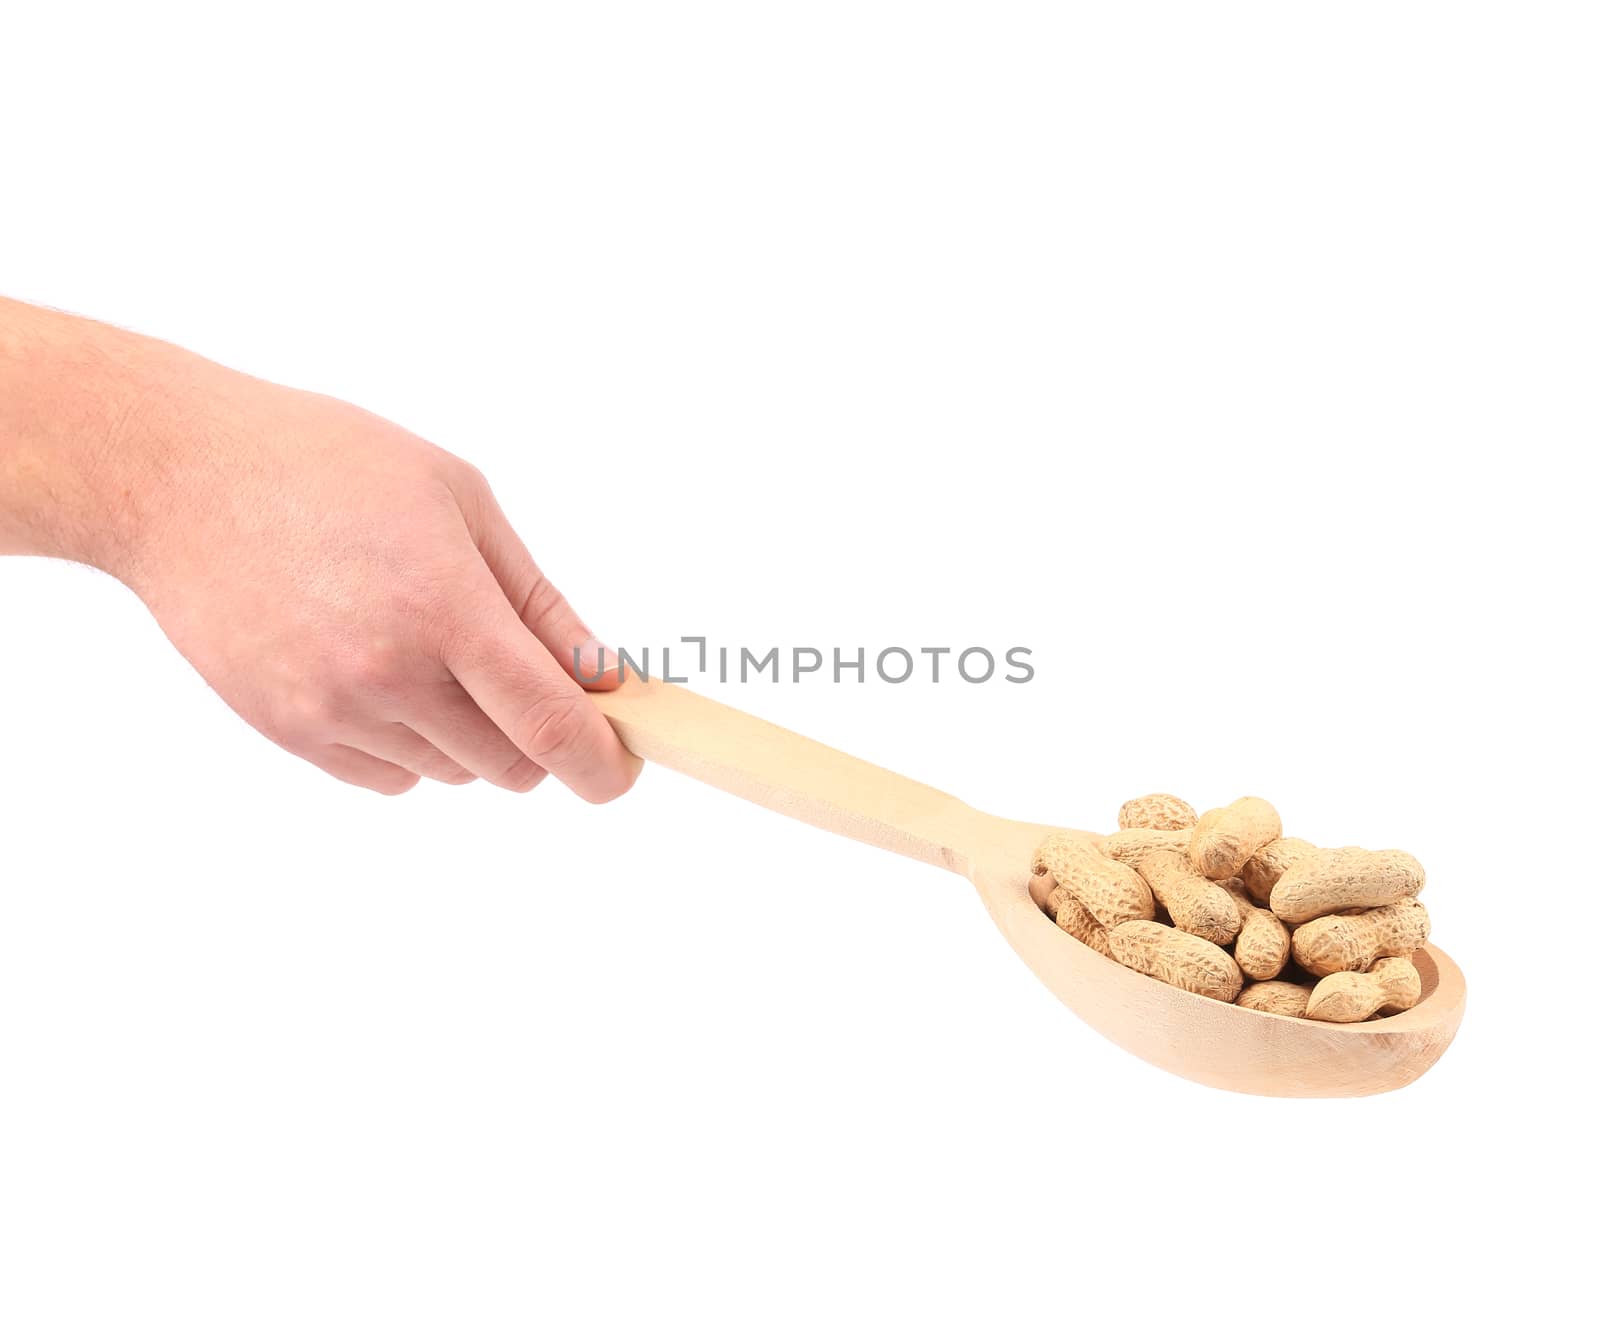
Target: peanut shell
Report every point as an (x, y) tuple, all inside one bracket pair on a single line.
[(1176, 957), (1338, 879), (1112, 892), (1281, 997), (1352, 943), (1263, 944), (1393, 984), (1267, 865), (1156, 811), (1193, 902), (1225, 838)]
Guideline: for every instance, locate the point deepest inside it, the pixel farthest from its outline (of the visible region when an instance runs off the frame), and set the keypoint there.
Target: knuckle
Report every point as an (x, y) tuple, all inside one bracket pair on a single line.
[(307, 718), (448, 772), (543, 600), (402, 781), (470, 475), (467, 482), (522, 776), (548, 730), (377, 668)]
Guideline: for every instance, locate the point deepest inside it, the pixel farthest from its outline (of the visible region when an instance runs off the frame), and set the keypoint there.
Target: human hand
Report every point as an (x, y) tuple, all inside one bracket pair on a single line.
[(354, 592)]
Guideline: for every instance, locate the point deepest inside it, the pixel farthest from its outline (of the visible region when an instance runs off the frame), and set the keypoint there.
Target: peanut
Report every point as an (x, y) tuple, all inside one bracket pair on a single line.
[(1224, 906), (1113, 893), (1193, 902), (1393, 983), (1354, 943), (1269, 863), (1337, 879), (1156, 811), (1131, 847), (1282, 997), (1176, 957), (1263, 944), (1074, 918), (1225, 838)]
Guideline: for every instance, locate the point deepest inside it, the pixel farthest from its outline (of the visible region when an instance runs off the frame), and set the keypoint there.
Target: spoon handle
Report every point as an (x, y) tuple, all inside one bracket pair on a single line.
[(787, 773)]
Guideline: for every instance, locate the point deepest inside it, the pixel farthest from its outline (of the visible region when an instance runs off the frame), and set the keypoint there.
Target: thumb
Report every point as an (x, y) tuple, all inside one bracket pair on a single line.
[(517, 683)]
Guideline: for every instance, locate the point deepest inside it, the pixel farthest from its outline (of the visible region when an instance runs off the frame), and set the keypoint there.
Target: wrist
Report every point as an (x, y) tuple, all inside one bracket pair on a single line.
[(79, 438)]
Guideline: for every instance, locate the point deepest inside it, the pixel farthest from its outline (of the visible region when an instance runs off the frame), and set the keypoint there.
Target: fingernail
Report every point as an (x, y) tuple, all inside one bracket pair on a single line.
[(590, 660)]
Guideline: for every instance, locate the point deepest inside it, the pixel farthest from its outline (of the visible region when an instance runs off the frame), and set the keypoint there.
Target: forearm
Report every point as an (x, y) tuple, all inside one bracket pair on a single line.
[(75, 447)]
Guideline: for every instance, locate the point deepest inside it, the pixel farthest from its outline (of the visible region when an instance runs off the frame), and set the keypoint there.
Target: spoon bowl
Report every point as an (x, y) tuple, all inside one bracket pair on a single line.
[(1204, 1040)]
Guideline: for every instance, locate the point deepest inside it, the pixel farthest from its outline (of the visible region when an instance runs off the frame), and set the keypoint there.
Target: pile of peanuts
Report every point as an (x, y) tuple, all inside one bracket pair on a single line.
[(1223, 905)]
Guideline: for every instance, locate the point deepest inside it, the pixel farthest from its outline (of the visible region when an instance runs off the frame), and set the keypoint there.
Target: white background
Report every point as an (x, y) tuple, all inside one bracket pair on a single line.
[(1239, 359)]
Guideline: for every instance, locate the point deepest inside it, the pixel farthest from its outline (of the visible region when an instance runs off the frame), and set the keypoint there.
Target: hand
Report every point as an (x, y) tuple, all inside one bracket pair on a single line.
[(352, 591)]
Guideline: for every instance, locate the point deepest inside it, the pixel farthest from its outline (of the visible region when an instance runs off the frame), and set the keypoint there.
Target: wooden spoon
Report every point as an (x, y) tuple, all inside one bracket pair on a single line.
[(1237, 1049)]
